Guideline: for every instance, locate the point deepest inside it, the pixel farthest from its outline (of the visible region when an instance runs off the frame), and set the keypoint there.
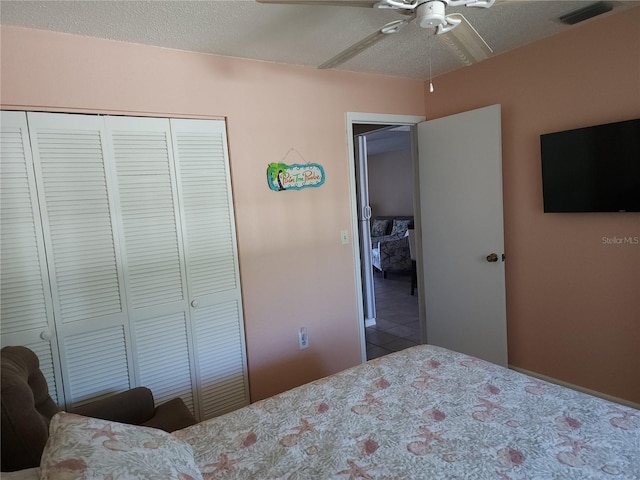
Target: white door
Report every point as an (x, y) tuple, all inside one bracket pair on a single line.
[(155, 279), (26, 309), (211, 262), (364, 219), (76, 198), (460, 169)]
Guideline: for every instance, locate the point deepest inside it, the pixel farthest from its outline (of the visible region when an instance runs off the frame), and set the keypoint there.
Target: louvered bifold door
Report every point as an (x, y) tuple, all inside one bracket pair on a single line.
[(26, 312), (213, 281), (76, 203), (155, 279)]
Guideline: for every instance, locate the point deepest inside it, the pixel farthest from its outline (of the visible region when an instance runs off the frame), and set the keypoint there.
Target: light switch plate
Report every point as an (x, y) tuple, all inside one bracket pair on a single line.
[(303, 338)]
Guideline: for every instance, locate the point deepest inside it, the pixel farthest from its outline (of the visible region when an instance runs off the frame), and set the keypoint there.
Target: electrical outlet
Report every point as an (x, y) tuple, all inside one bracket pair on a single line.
[(344, 236), (303, 338)]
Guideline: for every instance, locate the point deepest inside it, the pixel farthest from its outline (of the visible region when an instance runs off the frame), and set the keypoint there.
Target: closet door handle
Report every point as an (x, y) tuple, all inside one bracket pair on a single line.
[(366, 212), (46, 335), (194, 303)]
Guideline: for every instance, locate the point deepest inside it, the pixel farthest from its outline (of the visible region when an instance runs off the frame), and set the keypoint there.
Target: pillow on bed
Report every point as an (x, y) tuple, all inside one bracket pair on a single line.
[(83, 447), (400, 227), (379, 227)]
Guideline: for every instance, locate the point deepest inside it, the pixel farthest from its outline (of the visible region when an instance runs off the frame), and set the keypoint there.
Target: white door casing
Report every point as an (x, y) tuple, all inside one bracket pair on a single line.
[(369, 118), (460, 170)]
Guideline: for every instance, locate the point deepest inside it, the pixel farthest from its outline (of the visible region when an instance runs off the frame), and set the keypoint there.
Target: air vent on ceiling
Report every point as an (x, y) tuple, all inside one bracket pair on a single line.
[(587, 12)]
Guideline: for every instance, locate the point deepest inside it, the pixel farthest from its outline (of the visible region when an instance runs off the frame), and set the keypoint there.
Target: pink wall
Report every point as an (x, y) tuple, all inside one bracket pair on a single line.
[(573, 303), (294, 270), (391, 182)]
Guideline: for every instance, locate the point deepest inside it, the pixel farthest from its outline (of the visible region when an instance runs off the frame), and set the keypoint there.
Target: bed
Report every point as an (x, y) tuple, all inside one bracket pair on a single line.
[(423, 413)]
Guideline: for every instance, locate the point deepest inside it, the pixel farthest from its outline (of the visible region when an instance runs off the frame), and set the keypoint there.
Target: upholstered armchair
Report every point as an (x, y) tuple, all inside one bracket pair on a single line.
[(27, 409), (390, 251)]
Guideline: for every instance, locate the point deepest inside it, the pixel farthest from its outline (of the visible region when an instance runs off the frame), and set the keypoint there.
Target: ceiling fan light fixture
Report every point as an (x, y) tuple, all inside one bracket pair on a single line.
[(431, 14)]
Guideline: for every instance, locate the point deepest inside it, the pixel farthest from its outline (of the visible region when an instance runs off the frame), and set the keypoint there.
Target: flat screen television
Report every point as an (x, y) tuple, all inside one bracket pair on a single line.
[(592, 169)]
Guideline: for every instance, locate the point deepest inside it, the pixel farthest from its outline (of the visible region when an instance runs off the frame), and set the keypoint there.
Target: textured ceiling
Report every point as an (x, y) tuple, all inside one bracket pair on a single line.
[(294, 34)]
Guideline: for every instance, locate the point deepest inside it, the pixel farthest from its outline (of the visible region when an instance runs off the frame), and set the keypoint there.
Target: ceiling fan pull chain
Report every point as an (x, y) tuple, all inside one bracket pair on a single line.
[(429, 48)]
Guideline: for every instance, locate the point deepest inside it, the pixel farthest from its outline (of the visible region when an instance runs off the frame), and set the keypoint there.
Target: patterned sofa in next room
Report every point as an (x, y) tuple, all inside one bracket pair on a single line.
[(390, 244)]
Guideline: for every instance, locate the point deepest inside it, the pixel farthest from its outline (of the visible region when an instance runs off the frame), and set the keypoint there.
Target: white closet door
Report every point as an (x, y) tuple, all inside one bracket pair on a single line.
[(213, 282), (152, 251), (26, 310), (76, 202)]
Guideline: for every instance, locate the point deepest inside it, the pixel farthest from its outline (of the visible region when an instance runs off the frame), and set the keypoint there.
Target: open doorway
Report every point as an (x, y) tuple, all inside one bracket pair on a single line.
[(459, 231), (385, 177)]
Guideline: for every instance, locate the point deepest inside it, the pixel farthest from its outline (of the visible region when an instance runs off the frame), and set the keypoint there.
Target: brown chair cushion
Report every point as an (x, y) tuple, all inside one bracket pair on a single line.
[(133, 406), (27, 409), (136, 407), (171, 416)]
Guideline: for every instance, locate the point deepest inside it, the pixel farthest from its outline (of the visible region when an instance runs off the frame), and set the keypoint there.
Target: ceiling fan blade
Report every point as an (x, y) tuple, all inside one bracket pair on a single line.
[(355, 49), (341, 3), (466, 42), (499, 3)]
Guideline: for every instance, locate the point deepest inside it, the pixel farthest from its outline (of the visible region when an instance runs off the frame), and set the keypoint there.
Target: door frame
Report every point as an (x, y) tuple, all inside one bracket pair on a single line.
[(377, 119)]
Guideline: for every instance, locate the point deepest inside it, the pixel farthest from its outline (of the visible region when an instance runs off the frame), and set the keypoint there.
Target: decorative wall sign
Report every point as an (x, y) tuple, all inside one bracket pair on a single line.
[(297, 176)]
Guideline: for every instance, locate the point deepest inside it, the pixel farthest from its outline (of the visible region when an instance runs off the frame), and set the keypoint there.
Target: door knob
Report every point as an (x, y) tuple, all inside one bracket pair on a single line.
[(46, 335), (194, 303), (492, 257)]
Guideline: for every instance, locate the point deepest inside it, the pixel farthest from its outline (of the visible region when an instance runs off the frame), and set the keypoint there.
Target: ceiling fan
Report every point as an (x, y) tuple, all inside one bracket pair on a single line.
[(453, 29)]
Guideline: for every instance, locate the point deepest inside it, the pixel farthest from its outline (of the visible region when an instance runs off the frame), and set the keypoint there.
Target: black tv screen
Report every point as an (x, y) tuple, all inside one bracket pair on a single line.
[(592, 169)]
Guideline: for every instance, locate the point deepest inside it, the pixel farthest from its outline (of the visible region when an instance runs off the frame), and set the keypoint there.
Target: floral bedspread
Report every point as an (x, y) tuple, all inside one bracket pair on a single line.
[(423, 413)]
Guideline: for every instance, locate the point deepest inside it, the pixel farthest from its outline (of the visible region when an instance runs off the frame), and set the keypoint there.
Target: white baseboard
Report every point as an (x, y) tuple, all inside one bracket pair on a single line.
[(370, 322), (604, 396)]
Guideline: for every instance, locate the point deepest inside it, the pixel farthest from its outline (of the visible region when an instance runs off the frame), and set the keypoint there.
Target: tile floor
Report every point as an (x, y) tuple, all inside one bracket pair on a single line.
[(397, 316)]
